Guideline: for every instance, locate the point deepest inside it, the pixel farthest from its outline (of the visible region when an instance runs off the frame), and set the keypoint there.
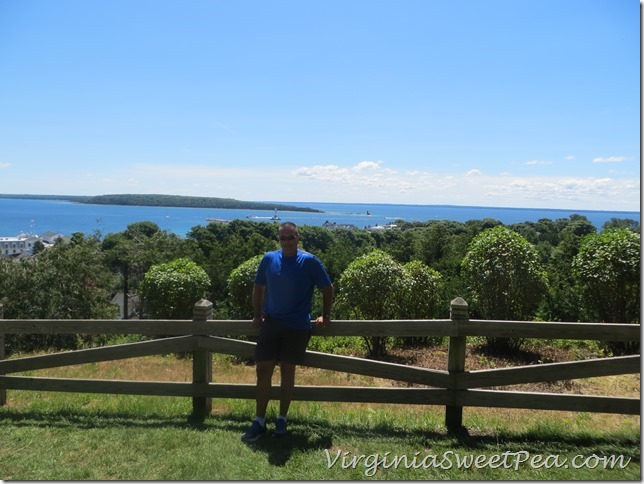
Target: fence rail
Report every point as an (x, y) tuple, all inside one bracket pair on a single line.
[(453, 388)]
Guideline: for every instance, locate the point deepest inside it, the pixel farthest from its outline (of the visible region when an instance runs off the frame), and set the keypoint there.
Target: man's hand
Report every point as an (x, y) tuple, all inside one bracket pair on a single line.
[(323, 321), (257, 321)]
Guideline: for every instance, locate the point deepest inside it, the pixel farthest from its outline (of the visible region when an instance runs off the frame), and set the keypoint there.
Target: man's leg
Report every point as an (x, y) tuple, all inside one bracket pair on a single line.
[(264, 371), (293, 353), (287, 373)]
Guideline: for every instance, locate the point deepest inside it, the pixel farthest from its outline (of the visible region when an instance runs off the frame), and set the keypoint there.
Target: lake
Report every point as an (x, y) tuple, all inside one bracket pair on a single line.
[(39, 216)]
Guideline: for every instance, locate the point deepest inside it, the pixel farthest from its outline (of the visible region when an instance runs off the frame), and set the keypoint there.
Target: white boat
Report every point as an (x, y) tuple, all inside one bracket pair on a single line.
[(275, 216)]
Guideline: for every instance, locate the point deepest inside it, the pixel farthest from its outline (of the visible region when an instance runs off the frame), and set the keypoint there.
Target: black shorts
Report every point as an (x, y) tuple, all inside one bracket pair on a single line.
[(278, 342)]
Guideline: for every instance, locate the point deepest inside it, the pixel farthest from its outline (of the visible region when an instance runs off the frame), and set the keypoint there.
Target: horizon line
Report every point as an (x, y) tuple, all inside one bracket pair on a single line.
[(449, 205)]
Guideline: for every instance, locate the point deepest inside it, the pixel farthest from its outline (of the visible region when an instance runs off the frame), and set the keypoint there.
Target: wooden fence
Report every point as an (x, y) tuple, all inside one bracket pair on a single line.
[(453, 388)]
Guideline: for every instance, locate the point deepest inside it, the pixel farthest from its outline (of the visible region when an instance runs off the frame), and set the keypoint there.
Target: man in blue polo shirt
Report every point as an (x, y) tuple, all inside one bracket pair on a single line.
[(282, 297)]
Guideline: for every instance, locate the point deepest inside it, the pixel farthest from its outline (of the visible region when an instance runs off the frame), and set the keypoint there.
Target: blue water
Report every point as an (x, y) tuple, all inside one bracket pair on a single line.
[(39, 216)]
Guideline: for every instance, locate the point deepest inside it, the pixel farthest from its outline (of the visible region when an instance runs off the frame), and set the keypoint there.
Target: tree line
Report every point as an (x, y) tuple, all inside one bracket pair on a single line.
[(551, 270), (152, 200)]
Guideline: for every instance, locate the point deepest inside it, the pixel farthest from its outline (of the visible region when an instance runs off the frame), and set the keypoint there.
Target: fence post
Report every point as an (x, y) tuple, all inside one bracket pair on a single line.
[(456, 362), (201, 363), (3, 391)]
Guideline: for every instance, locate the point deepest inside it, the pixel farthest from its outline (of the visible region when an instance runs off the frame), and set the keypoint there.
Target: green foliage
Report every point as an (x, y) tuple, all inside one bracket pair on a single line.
[(132, 252), (563, 301), (607, 270), (240, 287), (422, 293), (370, 288), (31, 287), (506, 278), (371, 285), (622, 223), (375, 286), (152, 200), (67, 281), (170, 291), (223, 247), (347, 246)]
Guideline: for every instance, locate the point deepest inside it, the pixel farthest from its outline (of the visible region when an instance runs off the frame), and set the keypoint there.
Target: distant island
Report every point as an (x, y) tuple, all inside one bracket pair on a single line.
[(166, 201)]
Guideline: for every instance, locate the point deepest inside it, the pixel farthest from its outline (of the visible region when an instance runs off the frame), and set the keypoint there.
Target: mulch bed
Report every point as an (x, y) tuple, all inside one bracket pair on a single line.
[(478, 358)]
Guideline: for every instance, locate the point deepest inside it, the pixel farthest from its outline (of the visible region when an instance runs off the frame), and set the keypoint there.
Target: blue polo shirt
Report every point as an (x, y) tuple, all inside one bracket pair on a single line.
[(289, 285)]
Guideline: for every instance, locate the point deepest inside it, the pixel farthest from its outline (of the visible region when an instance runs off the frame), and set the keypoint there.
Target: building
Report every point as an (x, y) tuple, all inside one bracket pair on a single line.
[(132, 305), (23, 245), (50, 237), (381, 228), (333, 225), (20, 244)]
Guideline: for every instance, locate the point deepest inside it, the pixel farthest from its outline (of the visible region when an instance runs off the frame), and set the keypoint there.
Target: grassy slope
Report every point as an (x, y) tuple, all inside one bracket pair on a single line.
[(56, 436)]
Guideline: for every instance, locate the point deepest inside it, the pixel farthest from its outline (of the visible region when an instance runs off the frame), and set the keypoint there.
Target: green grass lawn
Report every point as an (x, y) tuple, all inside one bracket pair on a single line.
[(59, 436)]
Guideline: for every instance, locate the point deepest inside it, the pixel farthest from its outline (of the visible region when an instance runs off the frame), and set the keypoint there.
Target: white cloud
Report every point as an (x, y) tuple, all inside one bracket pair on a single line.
[(361, 182), (569, 158), (365, 173), (538, 162), (4, 165), (567, 191), (334, 182), (365, 165), (610, 159)]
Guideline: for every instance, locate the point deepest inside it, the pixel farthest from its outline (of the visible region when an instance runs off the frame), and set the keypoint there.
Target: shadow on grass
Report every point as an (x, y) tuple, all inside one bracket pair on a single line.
[(280, 449), (317, 434)]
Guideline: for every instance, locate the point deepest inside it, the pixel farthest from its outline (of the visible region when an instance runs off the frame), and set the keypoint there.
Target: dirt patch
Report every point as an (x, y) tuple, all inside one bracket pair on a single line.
[(477, 358)]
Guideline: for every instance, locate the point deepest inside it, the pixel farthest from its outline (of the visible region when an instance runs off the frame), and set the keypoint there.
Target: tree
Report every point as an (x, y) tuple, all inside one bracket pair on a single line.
[(562, 302), (622, 223), (422, 294), (170, 290), (347, 245), (370, 288), (240, 287), (607, 270), (506, 279), (66, 281), (224, 247), (133, 251), (422, 291)]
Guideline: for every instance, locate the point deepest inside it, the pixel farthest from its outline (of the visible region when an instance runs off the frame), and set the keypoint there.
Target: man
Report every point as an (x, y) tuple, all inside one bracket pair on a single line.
[(282, 297)]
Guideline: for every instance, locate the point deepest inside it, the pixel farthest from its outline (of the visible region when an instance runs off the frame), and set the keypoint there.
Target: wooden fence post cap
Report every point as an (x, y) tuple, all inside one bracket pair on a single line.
[(203, 303), (458, 309), (459, 302), (202, 310)]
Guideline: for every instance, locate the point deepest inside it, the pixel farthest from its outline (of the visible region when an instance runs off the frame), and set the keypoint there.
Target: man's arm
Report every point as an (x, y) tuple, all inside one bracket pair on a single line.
[(258, 303), (327, 302)]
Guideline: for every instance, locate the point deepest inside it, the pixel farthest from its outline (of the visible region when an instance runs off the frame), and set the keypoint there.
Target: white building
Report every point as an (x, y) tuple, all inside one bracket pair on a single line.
[(50, 237), (132, 305), (14, 246), (380, 228)]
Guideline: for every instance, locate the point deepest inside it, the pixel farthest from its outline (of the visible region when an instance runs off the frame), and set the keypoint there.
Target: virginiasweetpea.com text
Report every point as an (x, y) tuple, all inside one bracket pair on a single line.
[(453, 460)]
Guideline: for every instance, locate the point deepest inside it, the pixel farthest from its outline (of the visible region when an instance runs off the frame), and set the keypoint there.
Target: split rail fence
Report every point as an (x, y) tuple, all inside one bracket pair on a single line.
[(454, 388)]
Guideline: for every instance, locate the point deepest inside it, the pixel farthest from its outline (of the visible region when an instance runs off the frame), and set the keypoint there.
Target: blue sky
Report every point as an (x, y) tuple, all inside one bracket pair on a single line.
[(493, 103)]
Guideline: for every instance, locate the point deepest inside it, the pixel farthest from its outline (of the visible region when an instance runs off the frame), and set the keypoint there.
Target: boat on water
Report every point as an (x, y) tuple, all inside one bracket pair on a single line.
[(275, 217)]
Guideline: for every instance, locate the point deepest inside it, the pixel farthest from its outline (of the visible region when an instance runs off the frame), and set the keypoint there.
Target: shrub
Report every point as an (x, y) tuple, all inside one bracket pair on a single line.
[(170, 291)]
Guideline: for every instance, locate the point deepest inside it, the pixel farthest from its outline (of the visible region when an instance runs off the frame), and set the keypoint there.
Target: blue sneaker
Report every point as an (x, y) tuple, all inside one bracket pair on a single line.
[(255, 431), (280, 428)]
